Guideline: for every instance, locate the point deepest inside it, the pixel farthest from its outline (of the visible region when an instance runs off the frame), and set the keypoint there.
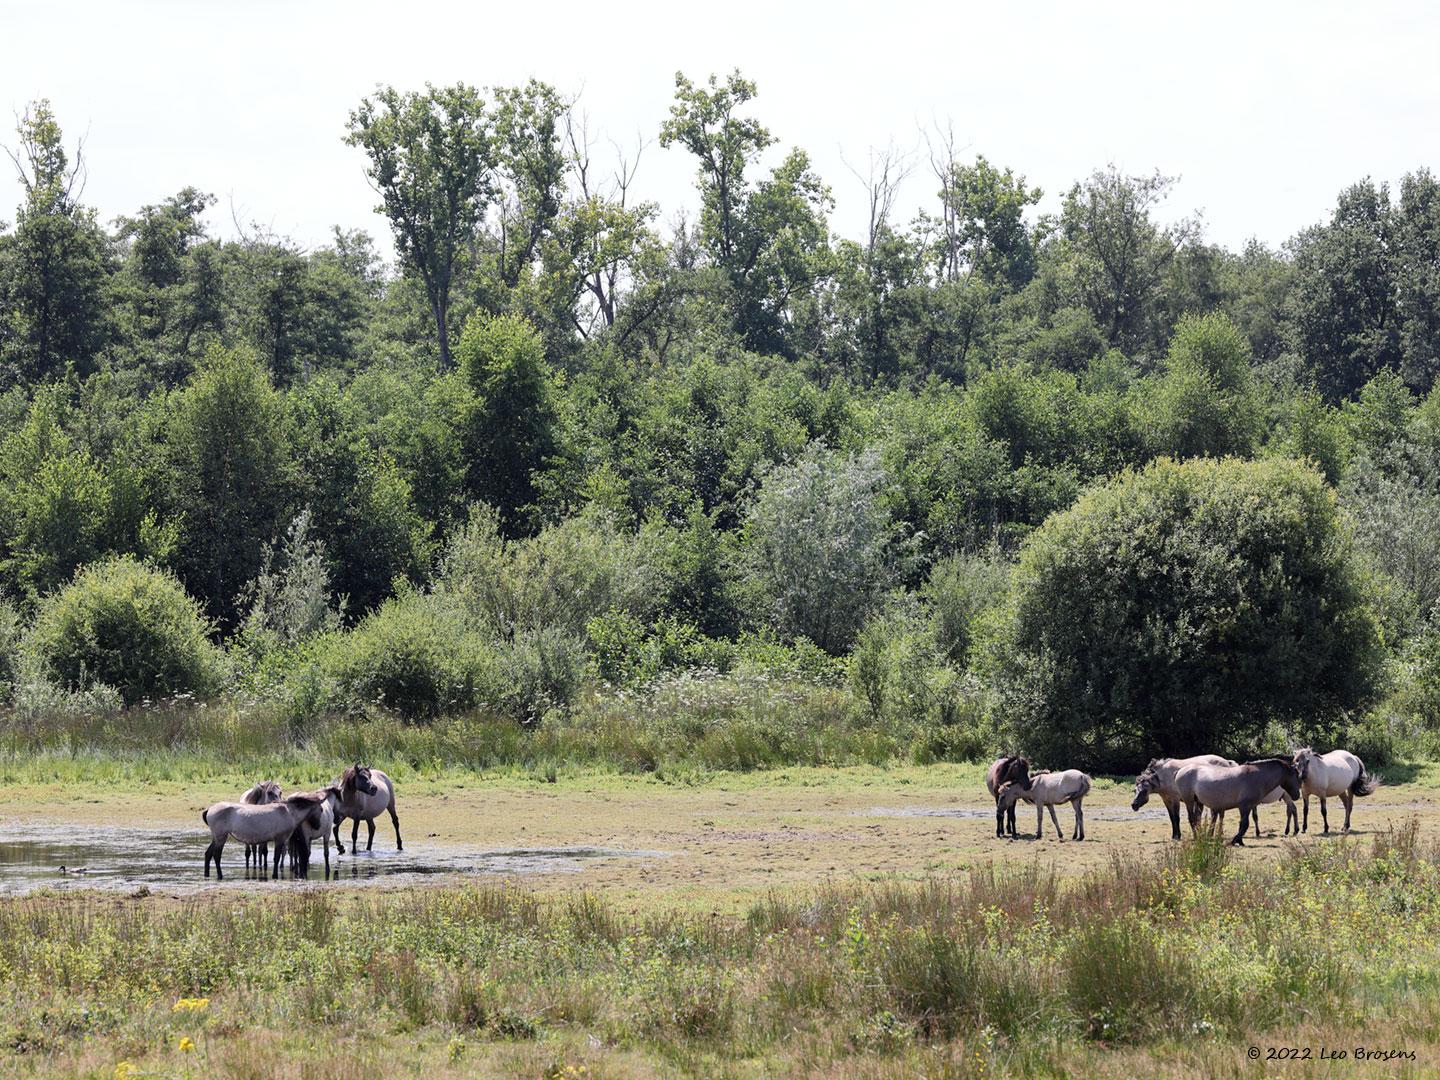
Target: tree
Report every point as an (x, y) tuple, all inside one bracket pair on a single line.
[(1206, 404), (432, 159), (508, 426), (1117, 254), (224, 465), (1342, 309), (1182, 609), (769, 239), (818, 546), (54, 270)]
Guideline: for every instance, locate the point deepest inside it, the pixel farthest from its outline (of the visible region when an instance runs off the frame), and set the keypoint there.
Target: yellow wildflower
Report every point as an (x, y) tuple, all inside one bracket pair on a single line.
[(191, 1005), (186, 1044), (125, 1070)]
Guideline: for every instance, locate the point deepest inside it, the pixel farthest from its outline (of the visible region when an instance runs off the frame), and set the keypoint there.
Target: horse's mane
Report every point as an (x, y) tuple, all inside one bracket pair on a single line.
[(347, 778)]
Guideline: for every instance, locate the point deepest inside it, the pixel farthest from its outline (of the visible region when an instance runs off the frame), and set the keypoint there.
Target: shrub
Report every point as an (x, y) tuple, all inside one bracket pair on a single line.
[(414, 656), (818, 546), (127, 625), (1179, 610)]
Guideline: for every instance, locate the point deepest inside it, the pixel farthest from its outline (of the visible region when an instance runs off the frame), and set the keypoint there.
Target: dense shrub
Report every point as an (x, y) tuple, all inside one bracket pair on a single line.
[(413, 656), (127, 625), (1182, 608)]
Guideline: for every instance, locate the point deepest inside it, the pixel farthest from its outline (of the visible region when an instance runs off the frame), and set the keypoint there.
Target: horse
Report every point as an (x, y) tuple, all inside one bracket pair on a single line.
[(253, 824), (1337, 773), (1158, 778), (1224, 787), (262, 794), (1047, 789), (365, 794), (306, 833), (1001, 772)]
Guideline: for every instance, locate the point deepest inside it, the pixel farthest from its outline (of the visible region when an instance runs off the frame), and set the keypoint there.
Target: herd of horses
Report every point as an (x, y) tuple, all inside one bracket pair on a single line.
[(265, 817), (1206, 782)]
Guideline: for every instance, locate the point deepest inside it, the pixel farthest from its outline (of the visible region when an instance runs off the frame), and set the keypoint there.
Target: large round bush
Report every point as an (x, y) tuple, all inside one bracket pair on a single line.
[(130, 626), (414, 657), (1181, 609)]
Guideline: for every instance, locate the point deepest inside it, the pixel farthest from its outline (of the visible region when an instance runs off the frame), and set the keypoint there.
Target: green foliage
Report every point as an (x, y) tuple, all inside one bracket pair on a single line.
[(1182, 608), (819, 546), (507, 431), (1206, 405), (414, 657), (126, 625)]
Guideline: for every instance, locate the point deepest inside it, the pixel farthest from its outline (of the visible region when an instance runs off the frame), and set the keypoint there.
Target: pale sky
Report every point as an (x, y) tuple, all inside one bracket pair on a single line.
[(1264, 110)]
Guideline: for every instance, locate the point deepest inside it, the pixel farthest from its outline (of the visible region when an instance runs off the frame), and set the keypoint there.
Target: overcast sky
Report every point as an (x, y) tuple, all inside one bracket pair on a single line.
[(1265, 110)]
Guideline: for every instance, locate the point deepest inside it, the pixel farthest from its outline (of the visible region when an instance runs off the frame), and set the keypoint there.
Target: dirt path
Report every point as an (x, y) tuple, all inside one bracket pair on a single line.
[(729, 842)]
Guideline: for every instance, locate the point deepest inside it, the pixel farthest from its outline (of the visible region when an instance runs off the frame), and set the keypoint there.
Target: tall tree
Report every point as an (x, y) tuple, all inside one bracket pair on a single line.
[(54, 269), (432, 159)]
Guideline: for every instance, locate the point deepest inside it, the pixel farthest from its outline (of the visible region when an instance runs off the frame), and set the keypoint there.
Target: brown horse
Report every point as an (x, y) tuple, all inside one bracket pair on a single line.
[(1225, 787), (1007, 770)]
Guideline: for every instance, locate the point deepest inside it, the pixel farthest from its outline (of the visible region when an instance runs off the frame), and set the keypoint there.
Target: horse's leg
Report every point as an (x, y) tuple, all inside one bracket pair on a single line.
[(326, 837), (1348, 801), (209, 852), (999, 820), (219, 847), (1056, 822), (1079, 833), (1010, 821), (1307, 813), (395, 820), (1292, 816), (1039, 822), (1239, 840), (1255, 814), (1324, 816), (355, 834), (1173, 809), (370, 837), (339, 847)]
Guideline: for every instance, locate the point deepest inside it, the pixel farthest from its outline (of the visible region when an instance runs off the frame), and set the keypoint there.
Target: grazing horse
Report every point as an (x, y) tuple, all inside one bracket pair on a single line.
[(252, 824), (1159, 779), (1004, 771), (365, 794), (1047, 789), (1336, 773), (1224, 787), (262, 794)]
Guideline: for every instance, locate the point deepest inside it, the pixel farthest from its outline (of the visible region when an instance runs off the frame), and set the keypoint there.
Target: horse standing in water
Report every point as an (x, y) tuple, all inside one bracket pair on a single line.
[(262, 794), (1336, 773), (1218, 788), (1010, 769), (365, 794)]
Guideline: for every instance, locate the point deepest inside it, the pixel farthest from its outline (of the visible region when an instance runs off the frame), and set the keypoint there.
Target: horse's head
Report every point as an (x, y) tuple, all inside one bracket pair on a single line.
[(1008, 794), (1301, 760), (1016, 769), (357, 778), (1146, 784), (1294, 774)]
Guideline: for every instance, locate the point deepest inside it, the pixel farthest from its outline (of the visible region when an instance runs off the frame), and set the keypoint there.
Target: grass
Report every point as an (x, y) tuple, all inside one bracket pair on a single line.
[(1182, 961)]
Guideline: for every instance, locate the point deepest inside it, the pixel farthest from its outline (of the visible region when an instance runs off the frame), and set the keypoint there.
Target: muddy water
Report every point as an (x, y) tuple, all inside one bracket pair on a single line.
[(1156, 812), (90, 857)]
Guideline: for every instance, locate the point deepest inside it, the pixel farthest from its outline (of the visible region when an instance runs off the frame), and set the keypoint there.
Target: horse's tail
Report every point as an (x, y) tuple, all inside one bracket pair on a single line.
[(1364, 784), (205, 816), (1084, 786)]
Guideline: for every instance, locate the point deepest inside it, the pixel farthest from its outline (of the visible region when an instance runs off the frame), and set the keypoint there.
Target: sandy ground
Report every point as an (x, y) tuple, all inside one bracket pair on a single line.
[(731, 840)]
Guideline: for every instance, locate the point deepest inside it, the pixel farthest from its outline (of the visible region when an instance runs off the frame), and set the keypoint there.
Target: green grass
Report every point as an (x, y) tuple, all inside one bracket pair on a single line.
[(1010, 971)]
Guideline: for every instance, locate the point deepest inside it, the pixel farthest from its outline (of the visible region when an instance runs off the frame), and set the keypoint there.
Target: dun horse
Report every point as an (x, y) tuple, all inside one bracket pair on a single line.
[(308, 831), (262, 794), (1159, 779), (1336, 773), (365, 794), (1004, 771), (1047, 789), (1226, 787), (250, 824)]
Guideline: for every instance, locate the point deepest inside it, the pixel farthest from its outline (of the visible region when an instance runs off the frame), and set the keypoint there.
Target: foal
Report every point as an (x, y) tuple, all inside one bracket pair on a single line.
[(1049, 789)]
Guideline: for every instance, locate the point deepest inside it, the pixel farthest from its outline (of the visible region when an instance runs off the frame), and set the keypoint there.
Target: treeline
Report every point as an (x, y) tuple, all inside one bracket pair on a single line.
[(561, 442)]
